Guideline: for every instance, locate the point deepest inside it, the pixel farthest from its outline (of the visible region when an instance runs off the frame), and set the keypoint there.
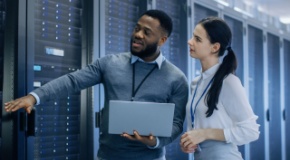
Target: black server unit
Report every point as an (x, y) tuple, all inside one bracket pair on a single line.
[(120, 19), (2, 26), (274, 111), (55, 48), (286, 112), (256, 88), (201, 12), (43, 40), (10, 134), (175, 50)]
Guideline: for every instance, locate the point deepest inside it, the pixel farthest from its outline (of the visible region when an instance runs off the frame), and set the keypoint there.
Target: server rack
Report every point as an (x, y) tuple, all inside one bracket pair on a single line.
[(119, 21), (2, 26), (10, 135), (175, 47), (237, 43), (56, 31), (286, 111), (274, 111), (256, 89), (46, 39)]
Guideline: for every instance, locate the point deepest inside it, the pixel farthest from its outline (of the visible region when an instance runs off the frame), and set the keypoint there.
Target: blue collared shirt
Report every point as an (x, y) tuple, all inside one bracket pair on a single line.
[(158, 60)]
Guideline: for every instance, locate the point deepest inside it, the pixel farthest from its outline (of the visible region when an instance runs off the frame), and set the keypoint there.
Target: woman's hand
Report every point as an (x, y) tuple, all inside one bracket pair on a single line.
[(189, 140), (188, 150)]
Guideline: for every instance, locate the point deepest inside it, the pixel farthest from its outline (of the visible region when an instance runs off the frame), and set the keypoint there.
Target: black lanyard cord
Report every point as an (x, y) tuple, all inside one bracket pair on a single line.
[(133, 80)]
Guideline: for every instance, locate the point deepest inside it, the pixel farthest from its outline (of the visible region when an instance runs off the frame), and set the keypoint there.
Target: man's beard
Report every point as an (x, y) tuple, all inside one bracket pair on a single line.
[(147, 52)]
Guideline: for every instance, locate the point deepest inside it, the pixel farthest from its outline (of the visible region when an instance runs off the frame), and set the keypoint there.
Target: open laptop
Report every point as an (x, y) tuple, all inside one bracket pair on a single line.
[(144, 117)]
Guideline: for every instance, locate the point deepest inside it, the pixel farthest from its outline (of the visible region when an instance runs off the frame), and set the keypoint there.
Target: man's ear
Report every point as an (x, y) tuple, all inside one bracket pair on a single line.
[(162, 40), (215, 47)]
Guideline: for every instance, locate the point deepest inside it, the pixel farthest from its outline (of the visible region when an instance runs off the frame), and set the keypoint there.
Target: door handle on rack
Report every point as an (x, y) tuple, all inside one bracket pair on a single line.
[(31, 123), (268, 115), (22, 118), (284, 114), (97, 119)]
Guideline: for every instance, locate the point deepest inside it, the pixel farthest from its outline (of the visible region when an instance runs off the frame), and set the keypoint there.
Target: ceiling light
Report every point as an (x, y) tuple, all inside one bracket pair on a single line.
[(244, 12), (222, 2), (285, 20)]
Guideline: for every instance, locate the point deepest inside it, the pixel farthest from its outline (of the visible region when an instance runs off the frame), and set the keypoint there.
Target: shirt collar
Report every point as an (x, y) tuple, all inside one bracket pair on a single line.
[(211, 71), (158, 60)]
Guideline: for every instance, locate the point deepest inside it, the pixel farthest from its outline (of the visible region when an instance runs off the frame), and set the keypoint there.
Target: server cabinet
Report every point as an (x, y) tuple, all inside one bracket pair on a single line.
[(201, 12), (118, 19), (237, 44), (2, 26), (274, 111), (256, 89), (55, 32), (175, 49), (286, 112), (56, 50), (11, 136)]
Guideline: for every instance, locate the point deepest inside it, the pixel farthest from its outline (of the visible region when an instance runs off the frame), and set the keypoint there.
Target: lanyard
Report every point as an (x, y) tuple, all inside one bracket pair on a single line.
[(191, 107), (133, 79)]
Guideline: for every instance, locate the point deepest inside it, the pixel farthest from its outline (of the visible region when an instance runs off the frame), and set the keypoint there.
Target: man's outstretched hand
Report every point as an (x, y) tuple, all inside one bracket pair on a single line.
[(26, 102)]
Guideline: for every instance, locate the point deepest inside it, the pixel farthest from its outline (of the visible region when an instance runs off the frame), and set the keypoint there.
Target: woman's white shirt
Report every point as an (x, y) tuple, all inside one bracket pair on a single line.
[(234, 115)]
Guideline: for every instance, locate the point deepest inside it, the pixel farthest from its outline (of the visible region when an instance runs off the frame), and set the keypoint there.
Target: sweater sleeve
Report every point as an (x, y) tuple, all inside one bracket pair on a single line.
[(245, 128), (179, 97), (70, 83)]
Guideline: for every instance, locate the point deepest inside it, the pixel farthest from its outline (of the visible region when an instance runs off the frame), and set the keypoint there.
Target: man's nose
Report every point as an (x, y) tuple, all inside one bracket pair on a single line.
[(139, 34)]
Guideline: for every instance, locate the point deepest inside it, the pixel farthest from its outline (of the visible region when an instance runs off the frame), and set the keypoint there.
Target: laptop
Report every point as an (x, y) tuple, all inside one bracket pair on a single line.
[(144, 117)]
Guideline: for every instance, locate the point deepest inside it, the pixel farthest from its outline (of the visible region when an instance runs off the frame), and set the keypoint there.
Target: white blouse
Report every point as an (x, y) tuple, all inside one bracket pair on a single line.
[(234, 115)]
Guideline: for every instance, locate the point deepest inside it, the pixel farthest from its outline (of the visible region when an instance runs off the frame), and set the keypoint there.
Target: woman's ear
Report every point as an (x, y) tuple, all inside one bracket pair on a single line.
[(215, 47)]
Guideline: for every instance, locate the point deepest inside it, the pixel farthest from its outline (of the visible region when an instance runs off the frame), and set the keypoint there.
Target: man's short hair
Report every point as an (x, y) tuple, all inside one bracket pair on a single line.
[(163, 18)]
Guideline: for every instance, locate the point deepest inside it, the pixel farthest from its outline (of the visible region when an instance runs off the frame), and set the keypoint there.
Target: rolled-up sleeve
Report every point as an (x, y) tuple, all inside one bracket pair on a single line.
[(245, 128)]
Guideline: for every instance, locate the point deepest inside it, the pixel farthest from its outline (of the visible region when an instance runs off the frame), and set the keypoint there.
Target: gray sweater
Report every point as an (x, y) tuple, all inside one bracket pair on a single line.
[(165, 85)]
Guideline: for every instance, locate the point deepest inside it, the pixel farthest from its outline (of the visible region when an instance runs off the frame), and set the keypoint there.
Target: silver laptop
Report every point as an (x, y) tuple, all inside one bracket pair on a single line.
[(145, 117)]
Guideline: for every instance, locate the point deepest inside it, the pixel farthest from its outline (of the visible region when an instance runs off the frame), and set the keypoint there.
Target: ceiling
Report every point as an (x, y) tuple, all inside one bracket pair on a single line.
[(275, 8)]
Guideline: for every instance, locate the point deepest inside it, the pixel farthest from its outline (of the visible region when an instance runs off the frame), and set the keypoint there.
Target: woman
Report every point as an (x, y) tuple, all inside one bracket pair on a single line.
[(219, 115)]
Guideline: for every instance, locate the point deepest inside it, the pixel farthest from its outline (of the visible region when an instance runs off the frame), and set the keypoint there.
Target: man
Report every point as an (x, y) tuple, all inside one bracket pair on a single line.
[(141, 75)]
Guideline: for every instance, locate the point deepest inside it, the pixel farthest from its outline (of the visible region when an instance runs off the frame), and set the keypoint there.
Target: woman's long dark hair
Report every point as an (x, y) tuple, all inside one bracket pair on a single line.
[(219, 32)]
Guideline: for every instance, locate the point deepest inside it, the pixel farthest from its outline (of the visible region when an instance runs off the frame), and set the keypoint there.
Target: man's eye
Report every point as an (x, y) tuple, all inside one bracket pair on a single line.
[(147, 32)]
